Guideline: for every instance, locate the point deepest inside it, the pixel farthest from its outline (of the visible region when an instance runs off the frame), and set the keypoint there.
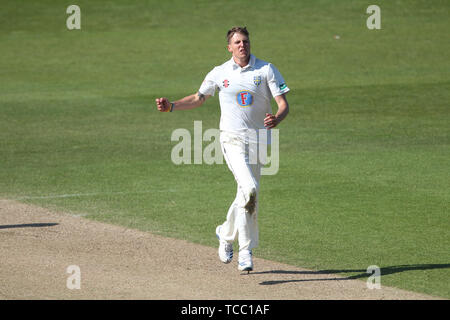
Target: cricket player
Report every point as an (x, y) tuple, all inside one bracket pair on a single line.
[(246, 86)]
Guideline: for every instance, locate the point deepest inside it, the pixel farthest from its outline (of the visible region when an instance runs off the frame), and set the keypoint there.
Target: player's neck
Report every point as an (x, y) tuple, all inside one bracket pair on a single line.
[(242, 62)]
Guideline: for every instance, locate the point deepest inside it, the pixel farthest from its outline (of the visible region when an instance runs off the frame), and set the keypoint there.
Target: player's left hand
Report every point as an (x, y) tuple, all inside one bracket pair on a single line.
[(270, 121)]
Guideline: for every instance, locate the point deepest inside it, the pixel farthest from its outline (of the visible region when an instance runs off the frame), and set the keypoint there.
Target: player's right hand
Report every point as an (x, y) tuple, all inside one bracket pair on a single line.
[(163, 104)]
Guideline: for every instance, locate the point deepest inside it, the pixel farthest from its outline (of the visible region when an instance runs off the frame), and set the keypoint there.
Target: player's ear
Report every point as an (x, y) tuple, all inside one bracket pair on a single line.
[(229, 48)]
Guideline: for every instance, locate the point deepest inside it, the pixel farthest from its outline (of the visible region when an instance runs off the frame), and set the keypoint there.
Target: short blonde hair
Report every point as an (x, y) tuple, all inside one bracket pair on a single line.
[(232, 31)]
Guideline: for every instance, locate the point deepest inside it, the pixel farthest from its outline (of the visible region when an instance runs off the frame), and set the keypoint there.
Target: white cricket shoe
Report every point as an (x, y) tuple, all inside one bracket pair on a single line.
[(251, 203), (245, 261), (225, 249)]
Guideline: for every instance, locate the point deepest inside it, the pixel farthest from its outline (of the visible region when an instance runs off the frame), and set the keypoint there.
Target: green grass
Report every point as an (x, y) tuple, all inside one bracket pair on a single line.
[(364, 153)]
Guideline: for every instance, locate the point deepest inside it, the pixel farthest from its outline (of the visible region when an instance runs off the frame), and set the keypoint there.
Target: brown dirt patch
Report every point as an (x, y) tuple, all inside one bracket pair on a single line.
[(37, 245)]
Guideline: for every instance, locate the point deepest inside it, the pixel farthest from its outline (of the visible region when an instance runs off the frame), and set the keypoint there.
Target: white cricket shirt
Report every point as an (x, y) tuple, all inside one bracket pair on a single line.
[(245, 93)]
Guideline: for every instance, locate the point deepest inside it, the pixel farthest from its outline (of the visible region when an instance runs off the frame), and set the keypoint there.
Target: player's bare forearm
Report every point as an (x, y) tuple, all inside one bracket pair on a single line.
[(283, 108), (271, 121), (190, 102), (186, 103)]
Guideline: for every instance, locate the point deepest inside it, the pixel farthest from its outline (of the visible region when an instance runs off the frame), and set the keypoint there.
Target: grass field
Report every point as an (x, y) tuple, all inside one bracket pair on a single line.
[(364, 153)]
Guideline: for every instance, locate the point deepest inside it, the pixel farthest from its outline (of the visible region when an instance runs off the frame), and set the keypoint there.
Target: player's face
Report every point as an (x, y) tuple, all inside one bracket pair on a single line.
[(239, 46)]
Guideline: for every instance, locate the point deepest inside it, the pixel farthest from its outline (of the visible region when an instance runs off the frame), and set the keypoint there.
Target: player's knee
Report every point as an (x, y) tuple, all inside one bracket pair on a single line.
[(251, 190), (250, 194)]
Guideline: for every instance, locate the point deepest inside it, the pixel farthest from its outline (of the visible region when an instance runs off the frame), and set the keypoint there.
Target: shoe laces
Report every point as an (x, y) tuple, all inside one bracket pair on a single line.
[(228, 247)]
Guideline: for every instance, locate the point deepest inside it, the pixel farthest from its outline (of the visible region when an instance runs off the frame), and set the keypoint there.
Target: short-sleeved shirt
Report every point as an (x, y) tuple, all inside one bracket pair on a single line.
[(245, 93)]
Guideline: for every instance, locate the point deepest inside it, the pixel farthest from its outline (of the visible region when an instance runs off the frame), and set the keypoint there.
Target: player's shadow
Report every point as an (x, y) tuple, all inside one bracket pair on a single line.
[(361, 273), (28, 225)]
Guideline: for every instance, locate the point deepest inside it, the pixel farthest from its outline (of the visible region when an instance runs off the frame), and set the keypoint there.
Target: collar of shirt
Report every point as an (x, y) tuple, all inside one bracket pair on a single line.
[(250, 64)]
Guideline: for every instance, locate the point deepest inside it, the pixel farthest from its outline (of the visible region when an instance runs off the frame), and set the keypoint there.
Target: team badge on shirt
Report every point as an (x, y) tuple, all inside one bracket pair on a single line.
[(257, 80), (244, 98), (226, 83)]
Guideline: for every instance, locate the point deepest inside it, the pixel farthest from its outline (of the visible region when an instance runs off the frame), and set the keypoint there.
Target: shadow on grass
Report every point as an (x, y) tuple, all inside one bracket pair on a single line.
[(28, 225), (361, 273)]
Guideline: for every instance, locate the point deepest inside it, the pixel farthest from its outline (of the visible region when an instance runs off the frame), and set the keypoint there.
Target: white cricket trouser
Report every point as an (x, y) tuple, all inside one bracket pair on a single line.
[(242, 161)]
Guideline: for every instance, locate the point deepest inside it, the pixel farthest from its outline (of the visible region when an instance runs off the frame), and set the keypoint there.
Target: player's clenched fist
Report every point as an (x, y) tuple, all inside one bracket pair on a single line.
[(163, 104), (270, 121)]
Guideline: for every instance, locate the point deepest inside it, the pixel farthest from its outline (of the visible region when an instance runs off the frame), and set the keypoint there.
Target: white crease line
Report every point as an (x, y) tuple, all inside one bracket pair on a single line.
[(74, 195)]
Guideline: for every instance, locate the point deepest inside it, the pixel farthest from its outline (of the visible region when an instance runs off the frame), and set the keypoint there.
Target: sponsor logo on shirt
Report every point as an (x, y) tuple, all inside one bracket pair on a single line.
[(226, 83), (283, 86), (244, 98)]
